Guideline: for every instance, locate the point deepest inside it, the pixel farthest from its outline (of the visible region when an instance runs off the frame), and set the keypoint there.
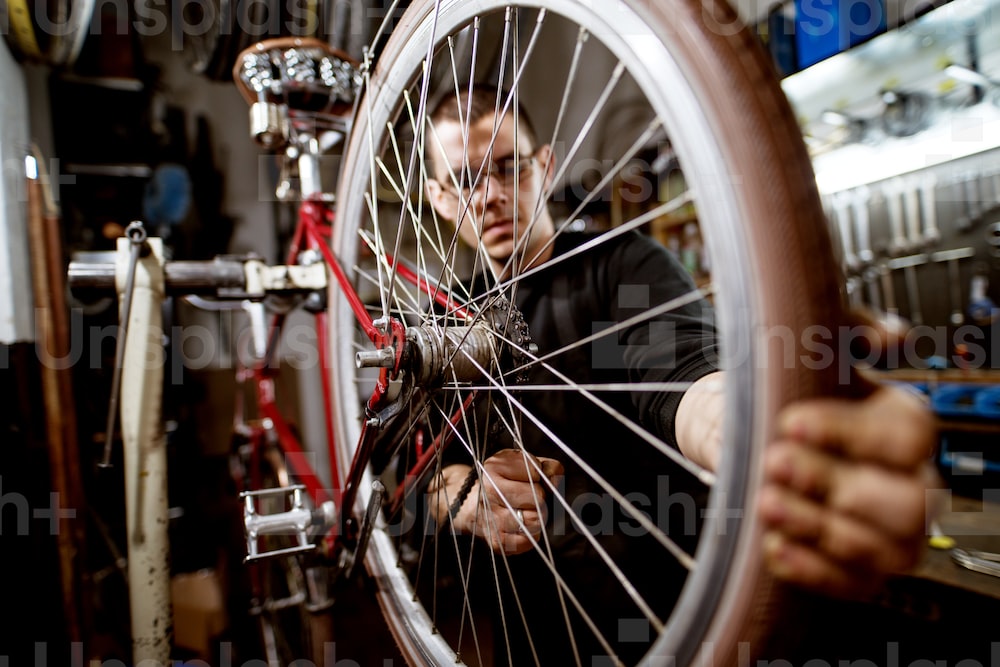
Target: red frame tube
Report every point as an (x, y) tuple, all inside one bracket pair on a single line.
[(312, 231)]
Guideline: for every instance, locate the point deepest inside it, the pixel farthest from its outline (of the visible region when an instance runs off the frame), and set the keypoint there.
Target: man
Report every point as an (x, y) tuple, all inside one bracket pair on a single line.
[(844, 493)]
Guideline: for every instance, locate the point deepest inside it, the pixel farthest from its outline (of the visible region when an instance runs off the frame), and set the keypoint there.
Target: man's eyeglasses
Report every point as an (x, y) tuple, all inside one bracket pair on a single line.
[(507, 170)]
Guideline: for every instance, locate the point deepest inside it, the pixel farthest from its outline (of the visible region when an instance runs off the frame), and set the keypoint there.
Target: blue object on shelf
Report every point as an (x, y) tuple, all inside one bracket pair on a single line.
[(958, 399), (824, 28), (983, 311), (167, 197), (937, 362), (987, 403), (955, 400)]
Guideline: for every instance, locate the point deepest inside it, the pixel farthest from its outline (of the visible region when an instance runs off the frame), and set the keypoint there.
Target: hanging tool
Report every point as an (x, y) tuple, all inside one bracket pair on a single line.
[(911, 202), (859, 204), (860, 200), (952, 257), (870, 275), (988, 192), (893, 190), (928, 207), (993, 235), (888, 290), (909, 264), (842, 214), (970, 195), (899, 244), (854, 296)]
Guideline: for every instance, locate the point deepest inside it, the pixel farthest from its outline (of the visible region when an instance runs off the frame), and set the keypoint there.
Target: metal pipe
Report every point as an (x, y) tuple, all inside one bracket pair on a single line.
[(310, 183), (181, 277)]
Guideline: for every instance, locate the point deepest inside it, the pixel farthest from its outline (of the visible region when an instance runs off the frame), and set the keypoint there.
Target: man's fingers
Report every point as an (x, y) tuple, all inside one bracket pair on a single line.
[(510, 463), (504, 532), (532, 519), (808, 471), (510, 543), (513, 483), (521, 466), (551, 468), (860, 429), (799, 564), (514, 494), (888, 500), (838, 537)]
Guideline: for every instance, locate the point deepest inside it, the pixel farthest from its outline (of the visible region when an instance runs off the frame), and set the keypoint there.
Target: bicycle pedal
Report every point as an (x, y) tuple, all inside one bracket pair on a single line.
[(293, 523)]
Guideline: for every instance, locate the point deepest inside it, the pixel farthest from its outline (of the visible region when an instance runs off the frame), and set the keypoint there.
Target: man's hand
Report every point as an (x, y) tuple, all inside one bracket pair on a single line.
[(844, 498), (510, 478)]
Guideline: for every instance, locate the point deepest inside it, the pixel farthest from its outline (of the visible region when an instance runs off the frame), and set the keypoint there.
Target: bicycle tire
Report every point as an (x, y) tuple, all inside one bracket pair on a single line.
[(743, 156)]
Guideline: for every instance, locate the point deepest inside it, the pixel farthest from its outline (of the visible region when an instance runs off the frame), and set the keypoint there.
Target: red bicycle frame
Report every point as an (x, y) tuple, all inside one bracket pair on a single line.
[(313, 233)]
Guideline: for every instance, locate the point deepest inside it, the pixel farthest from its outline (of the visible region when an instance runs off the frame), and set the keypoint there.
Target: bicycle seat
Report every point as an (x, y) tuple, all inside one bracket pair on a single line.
[(288, 76)]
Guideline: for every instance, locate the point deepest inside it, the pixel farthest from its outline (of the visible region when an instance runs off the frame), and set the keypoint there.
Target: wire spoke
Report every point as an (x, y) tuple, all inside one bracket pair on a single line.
[(682, 557), (654, 387), (691, 297), (637, 222)]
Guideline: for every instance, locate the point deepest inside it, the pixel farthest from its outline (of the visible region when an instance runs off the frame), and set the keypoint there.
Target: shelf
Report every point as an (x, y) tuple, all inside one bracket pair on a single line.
[(974, 525), (111, 170), (957, 425), (931, 376), (109, 82)]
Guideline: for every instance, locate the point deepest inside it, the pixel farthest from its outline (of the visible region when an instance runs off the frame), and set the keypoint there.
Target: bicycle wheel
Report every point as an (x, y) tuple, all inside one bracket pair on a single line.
[(690, 90)]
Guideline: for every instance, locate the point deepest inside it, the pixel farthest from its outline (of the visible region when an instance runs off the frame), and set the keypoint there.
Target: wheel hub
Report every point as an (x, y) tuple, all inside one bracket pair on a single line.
[(496, 344)]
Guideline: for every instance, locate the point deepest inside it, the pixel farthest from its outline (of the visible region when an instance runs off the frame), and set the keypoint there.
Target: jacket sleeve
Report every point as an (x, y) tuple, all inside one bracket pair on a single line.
[(679, 344)]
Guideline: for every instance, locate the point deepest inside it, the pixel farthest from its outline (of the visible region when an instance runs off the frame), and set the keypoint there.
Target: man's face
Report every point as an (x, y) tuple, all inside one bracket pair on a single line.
[(499, 210)]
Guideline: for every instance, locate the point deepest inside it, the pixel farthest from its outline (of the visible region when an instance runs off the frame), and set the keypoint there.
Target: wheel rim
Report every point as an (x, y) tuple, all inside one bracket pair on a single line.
[(709, 601)]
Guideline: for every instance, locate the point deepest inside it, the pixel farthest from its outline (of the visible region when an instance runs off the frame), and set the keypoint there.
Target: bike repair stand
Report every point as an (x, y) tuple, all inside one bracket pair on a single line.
[(139, 359)]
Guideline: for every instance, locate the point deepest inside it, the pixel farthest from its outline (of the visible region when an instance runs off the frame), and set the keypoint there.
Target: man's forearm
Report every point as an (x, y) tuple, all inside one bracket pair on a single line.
[(698, 421)]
